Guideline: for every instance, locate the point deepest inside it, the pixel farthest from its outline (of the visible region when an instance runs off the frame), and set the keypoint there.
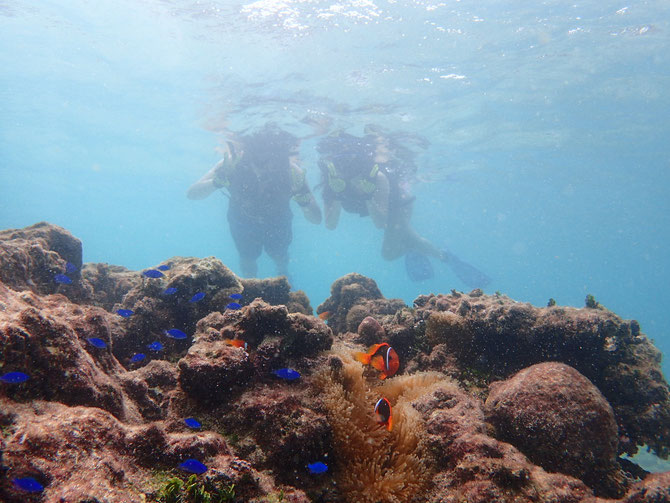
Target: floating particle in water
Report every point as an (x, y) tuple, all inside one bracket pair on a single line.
[(124, 312), (28, 484), (192, 423), (288, 374), (198, 296), (233, 305), (317, 467), (97, 342), (138, 357), (153, 273), (62, 279), (175, 333), (14, 377), (193, 466)]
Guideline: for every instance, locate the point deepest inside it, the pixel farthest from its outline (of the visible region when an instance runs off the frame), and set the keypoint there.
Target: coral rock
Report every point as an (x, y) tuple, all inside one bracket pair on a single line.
[(286, 427), (213, 371), (560, 420), (155, 312), (497, 336), (272, 290), (655, 488), (106, 285), (344, 294), (46, 337), (30, 257), (370, 331)]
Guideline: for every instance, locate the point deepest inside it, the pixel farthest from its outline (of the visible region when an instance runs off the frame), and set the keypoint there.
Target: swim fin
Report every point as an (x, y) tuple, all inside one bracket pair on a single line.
[(418, 266), (467, 273)]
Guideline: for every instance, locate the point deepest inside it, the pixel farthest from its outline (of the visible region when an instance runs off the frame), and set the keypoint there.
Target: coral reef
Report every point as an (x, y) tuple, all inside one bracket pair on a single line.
[(493, 401), (276, 291), (30, 257), (497, 336)]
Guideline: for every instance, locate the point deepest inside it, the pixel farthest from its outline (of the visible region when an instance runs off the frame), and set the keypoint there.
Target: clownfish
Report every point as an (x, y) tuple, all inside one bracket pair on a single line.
[(382, 357), (238, 343), (383, 413)]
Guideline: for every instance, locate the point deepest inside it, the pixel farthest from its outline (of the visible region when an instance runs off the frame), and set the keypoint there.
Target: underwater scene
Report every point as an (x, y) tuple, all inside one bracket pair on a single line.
[(366, 251)]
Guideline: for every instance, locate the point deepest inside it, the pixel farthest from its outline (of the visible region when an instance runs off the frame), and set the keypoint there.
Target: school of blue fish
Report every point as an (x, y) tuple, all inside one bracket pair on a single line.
[(380, 356)]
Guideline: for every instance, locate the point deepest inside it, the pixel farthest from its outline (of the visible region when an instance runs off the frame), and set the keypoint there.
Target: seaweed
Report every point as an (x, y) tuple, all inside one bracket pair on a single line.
[(591, 302), (193, 490)]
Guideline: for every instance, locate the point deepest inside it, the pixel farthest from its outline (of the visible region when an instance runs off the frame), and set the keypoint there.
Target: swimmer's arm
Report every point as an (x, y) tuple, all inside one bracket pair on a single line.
[(208, 183), (303, 195), (378, 205)]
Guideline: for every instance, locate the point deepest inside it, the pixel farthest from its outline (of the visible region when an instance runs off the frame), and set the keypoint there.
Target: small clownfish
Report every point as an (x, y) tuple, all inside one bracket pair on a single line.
[(382, 357), (383, 413), (238, 343), (324, 316)]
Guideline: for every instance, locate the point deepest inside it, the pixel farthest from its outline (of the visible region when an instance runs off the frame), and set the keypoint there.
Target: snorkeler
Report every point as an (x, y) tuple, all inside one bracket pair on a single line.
[(369, 176), (261, 174)]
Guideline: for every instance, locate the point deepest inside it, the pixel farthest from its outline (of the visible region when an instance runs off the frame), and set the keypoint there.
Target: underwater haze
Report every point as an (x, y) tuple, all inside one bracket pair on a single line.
[(547, 162)]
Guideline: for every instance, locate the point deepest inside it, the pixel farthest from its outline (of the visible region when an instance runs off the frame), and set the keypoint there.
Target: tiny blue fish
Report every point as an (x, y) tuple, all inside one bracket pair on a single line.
[(124, 312), (28, 484), (155, 346), (318, 467), (14, 377), (63, 279), (236, 296), (192, 423), (233, 305), (175, 333), (138, 357), (288, 374), (97, 342), (164, 267), (153, 273), (70, 267), (170, 291), (198, 296), (193, 466)]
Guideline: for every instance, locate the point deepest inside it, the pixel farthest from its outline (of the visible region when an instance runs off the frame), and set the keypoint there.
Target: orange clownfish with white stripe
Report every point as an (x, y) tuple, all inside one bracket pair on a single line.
[(382, 357), (383, 413)]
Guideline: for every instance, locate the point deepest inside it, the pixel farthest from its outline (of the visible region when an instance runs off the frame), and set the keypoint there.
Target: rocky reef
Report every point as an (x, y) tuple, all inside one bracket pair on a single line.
[(187, 383)]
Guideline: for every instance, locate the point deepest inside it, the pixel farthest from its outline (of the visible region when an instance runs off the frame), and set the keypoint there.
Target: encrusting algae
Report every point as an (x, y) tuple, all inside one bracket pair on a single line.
[(375, 465)]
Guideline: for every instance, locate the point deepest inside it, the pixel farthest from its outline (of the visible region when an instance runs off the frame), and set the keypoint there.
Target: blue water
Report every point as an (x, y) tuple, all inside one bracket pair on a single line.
[(548, 166)]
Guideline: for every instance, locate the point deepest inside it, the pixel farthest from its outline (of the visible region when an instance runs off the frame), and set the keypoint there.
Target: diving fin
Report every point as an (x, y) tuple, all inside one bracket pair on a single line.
[(467, 273), (418, 266)]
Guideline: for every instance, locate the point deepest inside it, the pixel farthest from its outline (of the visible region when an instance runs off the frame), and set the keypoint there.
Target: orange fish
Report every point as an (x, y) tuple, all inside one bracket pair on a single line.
[(382, 357), (238, 343), (383, 413), (325, 315)]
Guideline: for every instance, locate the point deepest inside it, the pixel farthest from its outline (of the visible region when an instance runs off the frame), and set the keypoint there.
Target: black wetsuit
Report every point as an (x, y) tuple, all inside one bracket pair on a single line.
[(259, 213)]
